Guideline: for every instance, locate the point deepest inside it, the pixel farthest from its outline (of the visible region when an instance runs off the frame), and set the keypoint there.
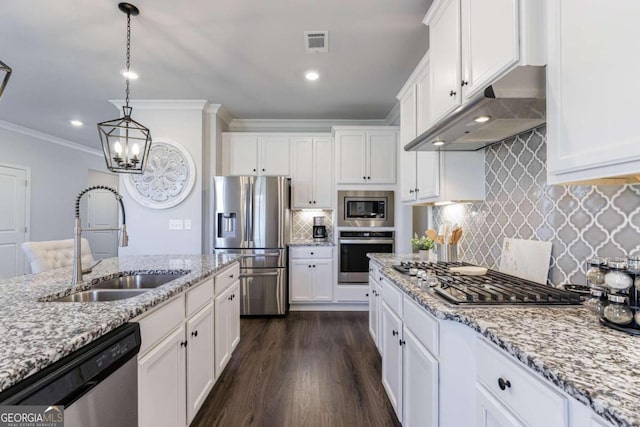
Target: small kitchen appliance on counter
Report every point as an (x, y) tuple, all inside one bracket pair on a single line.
[(319, 229)]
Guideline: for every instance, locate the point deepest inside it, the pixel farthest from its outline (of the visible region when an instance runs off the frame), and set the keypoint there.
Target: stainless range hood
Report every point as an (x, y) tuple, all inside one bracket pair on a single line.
[(514, 104)]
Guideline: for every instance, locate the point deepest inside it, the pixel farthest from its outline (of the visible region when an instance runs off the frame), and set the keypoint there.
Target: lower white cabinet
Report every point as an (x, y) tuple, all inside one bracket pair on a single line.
[(491, 413), (311, 274), (162, 383), (182, 341), (227, 332), (374, 312), (391, 335), (200, 370), (420, 383)]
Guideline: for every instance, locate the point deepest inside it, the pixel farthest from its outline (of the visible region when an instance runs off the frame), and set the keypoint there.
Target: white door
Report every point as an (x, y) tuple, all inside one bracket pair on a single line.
[(381, 146), (407, 158), (373, 311), (491, 413), (423, 101), (391, 330), (322, 280), (275, 155), (221, 325), (351, 151), (234, 317), (420, 392), (322, 173), (300, 280), (243, 155), (200, 369), (13, 221), (162, 384), (102, 214), (302, 173), (428, 174), (444, 39)]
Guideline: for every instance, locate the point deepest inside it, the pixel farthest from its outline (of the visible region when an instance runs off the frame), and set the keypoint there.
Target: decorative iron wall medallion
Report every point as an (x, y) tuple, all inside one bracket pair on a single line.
[(168, 178)]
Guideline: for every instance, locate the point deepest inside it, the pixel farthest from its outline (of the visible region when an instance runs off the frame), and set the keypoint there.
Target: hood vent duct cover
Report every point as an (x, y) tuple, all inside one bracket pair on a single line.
[(514, 104)]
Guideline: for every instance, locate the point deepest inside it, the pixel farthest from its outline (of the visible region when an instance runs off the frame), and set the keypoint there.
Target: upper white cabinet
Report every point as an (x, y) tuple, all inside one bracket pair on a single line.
[(312, 172), (472, 44), (366, 155), (252, 154), (592, 90), (431, 176)]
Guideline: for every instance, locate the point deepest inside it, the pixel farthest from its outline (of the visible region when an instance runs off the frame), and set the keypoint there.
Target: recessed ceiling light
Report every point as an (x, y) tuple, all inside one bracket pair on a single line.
[(311, 75), (76, 123), (131, 75), (438, 143), (482, 119)]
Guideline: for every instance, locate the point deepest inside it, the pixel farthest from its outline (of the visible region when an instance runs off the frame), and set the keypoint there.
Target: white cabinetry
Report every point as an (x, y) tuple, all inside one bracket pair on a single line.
[(491, 413), (472, 45), (391, 333), (420, 383), (226, 327), (200, 372), (592, 134), (252, 154), (374, 306), (366, 155), (312, 172), (311, 274)]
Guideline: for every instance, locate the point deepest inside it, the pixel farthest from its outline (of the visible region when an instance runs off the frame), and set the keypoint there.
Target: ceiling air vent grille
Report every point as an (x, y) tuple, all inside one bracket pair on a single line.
[(316, 41)]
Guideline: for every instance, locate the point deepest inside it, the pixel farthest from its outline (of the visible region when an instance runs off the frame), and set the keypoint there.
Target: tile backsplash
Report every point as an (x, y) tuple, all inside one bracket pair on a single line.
[(302, 224), (579, 220)]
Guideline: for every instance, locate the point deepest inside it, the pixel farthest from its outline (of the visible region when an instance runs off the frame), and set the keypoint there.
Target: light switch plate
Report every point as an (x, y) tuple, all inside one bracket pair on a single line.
[(175, 224)]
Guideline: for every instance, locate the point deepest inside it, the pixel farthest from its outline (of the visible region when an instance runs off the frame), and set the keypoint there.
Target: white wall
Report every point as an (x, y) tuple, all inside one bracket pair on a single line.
[(58, 174), (182, 122)]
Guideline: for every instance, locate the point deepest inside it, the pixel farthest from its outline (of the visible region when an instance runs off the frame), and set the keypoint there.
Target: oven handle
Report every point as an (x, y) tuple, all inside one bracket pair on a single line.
[(366, 241), (267, 254)]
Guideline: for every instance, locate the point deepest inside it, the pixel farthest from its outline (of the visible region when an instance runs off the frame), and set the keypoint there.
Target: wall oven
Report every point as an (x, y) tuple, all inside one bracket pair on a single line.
[(354, 246), (365, 208)]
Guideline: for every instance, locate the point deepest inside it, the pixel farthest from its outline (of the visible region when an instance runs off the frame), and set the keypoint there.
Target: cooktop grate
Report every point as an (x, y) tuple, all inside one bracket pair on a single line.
[(494, 288)]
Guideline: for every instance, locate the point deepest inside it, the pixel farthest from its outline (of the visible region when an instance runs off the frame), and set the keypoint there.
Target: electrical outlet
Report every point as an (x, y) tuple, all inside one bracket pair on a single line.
[(175, 224), (187, 224)]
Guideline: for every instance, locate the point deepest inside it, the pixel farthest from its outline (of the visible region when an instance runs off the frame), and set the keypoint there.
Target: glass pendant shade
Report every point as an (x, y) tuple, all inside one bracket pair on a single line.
[(125, 143), (5, 73)]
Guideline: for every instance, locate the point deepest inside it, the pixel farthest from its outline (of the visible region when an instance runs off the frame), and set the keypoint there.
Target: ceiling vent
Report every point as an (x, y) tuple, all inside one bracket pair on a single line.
[(316, 41)]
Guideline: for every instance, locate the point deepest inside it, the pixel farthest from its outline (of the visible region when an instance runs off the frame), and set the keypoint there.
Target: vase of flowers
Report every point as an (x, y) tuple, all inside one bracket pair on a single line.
[(423, 245)]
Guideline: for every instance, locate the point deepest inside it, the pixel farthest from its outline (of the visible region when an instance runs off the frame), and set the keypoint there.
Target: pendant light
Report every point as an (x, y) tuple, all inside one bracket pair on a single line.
[(125, 142), (4, 68)]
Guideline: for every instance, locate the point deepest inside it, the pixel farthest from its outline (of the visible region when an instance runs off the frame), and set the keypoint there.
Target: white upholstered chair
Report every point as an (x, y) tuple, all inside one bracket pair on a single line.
[(52, 254)]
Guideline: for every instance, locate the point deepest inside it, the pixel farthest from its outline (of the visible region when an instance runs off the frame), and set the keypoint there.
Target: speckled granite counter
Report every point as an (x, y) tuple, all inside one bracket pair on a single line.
[(309, 242), (35, 333), (596, 365)]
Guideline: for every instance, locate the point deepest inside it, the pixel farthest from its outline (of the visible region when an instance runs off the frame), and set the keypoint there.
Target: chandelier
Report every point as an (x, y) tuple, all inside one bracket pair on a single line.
[(125, 142), (4, 68)]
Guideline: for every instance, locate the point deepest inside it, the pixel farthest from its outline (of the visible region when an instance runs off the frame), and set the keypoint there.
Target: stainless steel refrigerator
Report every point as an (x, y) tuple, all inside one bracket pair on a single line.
[(252, 219)]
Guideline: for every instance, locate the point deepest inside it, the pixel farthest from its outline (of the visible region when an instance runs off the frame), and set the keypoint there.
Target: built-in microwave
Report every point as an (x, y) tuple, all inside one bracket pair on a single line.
[(365, 208)]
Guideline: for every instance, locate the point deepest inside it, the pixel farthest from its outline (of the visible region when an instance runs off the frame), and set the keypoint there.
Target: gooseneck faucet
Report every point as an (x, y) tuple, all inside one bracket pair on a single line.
[(77, 231)]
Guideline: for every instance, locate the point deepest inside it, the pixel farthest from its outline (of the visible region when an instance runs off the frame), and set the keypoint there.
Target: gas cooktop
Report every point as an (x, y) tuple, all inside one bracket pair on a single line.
[(494, 288)]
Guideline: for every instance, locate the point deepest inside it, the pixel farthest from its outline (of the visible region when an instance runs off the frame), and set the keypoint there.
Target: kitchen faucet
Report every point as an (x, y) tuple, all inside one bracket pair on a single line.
[(77, 231)]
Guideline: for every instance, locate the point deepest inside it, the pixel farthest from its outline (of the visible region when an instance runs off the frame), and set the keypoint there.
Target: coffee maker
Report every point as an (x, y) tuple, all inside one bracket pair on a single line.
[(319, 230)]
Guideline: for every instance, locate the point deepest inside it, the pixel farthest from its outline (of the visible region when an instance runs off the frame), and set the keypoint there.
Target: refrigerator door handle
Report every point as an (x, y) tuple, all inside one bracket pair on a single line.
[(275, 273), (250, 212), (247, 213), (270, 254)]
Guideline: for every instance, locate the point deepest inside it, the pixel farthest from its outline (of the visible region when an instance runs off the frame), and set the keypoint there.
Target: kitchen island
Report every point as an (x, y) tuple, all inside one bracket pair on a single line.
[(36, 332), (563, 346)]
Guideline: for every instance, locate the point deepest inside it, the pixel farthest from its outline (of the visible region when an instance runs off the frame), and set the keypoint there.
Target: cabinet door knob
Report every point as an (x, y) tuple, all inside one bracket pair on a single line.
[(231, 276), (254, 170), (311, 253), (411, 191), (464, 83), (263, 170), (452, 93), (394, 332), (309, 201), (309, 265), (364, 177), (314, 202), (504, 384), (183, 344), (194, 333), (367, 294), (402, 342), (417, 189), (368, 177), (314, 266)]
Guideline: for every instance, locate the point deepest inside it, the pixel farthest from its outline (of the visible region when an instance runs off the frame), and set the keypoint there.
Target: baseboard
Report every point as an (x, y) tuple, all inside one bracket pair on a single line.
[(330, 307)]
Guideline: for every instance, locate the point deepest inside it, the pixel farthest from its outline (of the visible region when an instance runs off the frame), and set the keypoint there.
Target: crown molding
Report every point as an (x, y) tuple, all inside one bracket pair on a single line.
[(12, 127), (162, 104), (297, 125), (220, 111)]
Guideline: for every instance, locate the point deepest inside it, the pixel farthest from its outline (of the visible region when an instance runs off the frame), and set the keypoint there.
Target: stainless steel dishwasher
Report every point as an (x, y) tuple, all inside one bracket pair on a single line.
[(97, 385)]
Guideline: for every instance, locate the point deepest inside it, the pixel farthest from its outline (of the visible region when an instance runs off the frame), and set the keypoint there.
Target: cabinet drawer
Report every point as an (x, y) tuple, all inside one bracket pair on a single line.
[(159, 323), (374, 271), (392, 296), (311, 252), (423, 325), (199, 295), (225, 278), (528, 397)]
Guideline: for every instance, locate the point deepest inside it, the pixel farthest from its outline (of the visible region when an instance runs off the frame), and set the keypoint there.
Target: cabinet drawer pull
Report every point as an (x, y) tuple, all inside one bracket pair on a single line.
[(504, 384), (194, 333)]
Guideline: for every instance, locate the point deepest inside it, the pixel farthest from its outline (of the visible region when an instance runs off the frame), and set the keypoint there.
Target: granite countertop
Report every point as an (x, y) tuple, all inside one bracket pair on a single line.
[(309, 242), (597, 365), (35, 333)]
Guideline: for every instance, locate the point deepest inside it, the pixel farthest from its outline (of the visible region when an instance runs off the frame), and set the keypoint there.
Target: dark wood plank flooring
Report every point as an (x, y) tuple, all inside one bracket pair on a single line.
[(307, 369)]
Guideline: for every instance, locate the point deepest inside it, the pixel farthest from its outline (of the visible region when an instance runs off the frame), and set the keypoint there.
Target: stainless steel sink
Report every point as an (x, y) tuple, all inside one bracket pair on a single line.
[(101, 295), (136, 281)]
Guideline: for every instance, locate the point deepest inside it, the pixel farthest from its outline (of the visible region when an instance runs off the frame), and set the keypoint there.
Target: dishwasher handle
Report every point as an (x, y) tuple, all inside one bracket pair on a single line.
[(78, 393)]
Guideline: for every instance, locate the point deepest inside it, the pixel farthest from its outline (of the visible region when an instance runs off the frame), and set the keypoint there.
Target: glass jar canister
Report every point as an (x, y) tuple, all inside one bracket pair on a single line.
[(617, 279), (618, 310), (595, 273), (597, 302)]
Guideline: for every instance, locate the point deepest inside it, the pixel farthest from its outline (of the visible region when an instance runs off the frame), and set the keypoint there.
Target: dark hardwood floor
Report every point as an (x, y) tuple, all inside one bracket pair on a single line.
[(307, 369)]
